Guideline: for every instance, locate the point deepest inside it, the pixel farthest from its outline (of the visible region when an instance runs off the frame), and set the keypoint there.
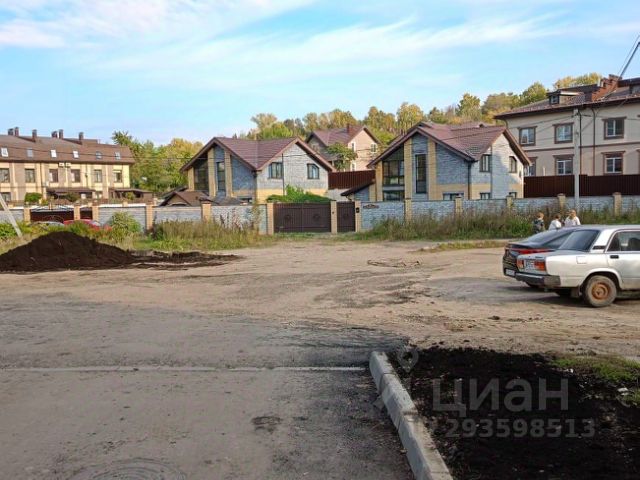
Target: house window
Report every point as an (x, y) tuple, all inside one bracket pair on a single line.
[(54, 154), (393, 171), (564, 166), (6, 196), (313, 171), (221, 178), (201, 176), (485, 196), (75, 176), (30, 152), (485, 163), (76, 154), (374, 147), (97, 176), (98, 155), (530, 170), (613, 163), (554, 99), (393, 195), (275, 170), (513, 164), (528, 136), (563, 133), (4, 175), (452, 195), (118, 156), (53, 175), (4, 152), (421, 173), (353, 146), (634, 89), (614, 128), (29, 175), (117, 176)]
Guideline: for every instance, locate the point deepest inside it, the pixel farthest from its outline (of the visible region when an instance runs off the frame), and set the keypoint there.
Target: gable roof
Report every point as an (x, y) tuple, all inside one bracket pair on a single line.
[(470, 141), (340, 135), (257, 154), (191, 198)]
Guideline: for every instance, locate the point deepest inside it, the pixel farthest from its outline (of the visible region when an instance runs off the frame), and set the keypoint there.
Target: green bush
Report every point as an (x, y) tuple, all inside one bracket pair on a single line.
[(32, 197), (6, 231), (123, 225), (297, 195)]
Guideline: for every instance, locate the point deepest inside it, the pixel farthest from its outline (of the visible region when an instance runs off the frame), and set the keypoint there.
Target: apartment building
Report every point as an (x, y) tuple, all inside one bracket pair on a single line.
[(603, 119), (55, 166)]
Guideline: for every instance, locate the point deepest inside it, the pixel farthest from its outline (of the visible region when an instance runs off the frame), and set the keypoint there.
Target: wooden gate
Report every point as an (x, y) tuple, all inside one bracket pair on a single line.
[(346, 217), (302, 217), (58, 215)]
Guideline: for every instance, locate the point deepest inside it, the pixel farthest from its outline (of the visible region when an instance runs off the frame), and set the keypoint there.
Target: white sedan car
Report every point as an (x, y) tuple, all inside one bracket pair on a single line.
[(595, 262)]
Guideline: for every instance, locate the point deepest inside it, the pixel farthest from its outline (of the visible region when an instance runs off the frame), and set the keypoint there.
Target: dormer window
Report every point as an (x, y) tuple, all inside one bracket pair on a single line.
[(4, 152), (30, 152), (54, 154), (118, 157), (554, 99), (76, 154), (634, 89), (98, 155)]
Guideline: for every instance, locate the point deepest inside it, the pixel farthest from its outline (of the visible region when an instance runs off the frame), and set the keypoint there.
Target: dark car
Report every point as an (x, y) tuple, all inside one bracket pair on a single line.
[(538, 243)]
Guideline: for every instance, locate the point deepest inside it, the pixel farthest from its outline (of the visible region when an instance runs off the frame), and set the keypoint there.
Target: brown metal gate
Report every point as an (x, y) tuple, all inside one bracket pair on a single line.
[(302, 217), (346, 217), (58, 215)]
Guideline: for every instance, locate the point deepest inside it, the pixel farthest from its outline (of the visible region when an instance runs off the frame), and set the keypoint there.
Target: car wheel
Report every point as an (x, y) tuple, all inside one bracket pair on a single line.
[(600, 291)]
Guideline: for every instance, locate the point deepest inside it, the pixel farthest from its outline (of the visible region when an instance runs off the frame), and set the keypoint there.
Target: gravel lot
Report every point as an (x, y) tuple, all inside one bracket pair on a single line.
[(300, 304)]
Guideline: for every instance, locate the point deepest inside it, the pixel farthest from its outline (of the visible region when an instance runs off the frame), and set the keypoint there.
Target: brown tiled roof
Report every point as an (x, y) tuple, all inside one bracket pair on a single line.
[(191, 198), (257, 153), (468, 140), (340, 135), (17, 147)]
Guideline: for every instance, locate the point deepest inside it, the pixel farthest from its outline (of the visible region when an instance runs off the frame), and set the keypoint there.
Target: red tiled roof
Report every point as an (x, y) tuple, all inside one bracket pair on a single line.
[(41, 147), (340, 135), (257, 153), (468, 140)]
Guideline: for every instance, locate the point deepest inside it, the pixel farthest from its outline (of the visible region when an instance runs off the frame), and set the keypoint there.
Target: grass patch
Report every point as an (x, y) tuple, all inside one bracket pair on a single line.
[(613, 369), (470, 245)]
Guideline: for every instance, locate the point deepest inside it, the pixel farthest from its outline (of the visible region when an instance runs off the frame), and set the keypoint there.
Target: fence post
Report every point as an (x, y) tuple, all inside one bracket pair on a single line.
[(408, 209), (148, 216), (26, 214), (270, 219), (509, 202), (205, 209), (76, 212), (562, 202), (334, 217), (457, 202), (358, 214), (95, 211), (617, 204)]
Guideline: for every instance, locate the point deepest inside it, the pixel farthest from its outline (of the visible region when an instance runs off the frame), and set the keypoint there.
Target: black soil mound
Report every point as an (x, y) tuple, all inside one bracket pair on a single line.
[(595, 437), (68, 251)]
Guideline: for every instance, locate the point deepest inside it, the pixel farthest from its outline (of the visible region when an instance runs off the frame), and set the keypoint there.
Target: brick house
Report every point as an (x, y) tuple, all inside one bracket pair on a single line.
[(442, 162), (357, 138), (55, 166), (252, 170), (608, 123)]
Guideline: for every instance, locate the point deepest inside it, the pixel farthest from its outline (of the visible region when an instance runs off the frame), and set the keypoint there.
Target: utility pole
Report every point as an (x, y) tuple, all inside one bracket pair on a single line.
[(577, 163)]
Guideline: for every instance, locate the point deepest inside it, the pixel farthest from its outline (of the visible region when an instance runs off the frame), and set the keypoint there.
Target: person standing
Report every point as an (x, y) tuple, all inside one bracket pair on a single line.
[(572, 220), (556, 223), (538, 223)]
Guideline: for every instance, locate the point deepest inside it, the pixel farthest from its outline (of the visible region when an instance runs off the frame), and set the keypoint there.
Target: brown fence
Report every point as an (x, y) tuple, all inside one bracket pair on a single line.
[(347, 180), (590, 186)]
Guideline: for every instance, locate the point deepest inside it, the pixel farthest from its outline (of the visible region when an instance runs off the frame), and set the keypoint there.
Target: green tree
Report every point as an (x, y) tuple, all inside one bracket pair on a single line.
[(469, 108), (264, 120), (533, 93), (341, 118), (569, 81), (275, 130), (496, 103), (408, 115), (343, 154)]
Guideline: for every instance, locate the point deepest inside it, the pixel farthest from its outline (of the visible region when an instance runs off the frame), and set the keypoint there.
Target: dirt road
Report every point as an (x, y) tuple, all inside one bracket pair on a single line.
[(213, 407)]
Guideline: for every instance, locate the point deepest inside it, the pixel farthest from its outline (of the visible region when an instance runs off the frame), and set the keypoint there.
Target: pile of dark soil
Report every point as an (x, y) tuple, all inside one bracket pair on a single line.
[(593, 436), (68, 251)]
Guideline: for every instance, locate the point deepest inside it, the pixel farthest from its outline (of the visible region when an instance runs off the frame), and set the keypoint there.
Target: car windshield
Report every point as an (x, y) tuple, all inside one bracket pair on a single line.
[(580, 240)]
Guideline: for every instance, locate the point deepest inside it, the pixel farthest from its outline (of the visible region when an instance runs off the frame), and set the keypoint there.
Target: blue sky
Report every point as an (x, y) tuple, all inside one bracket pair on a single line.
[(195, 68)]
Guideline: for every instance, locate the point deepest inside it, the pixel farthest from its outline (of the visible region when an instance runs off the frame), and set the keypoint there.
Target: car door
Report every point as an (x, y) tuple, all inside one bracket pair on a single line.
[(623, 255)]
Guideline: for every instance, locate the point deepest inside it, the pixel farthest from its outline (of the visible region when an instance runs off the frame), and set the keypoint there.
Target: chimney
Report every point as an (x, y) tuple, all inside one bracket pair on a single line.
[(607, 85), (61, 133), (16, 131), (10, 132), (54, 134), (81, 136), (34, 134)]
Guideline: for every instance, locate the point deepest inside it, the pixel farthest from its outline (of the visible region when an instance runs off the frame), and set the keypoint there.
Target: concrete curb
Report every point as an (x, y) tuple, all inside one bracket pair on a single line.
[(424, 458)]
